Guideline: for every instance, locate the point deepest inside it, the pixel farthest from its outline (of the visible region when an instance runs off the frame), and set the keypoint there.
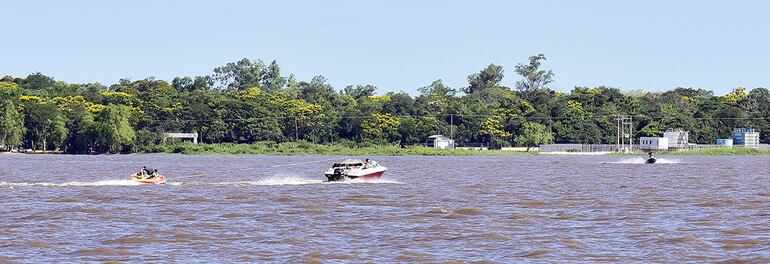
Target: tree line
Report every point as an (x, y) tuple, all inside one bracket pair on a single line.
[(250, 101)]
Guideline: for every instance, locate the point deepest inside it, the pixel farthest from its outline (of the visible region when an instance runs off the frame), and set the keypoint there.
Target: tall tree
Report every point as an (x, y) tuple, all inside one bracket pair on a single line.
[(239, 75), (359, 91), (534, 134), (114, 131), (533, 78), (491, 76), (11, 125)]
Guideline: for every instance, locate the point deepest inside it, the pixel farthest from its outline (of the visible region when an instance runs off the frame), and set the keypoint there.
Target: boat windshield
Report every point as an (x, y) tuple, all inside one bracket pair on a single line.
[(347, 165)]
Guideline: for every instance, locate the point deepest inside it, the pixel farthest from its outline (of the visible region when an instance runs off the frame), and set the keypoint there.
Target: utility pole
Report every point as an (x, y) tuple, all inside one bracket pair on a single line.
[(451, 125), (625, 133)]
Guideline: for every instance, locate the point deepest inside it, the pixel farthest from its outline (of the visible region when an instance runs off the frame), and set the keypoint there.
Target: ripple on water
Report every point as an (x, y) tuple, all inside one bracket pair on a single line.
[(736, 231), (482, 236), (315, 257), (104, 252), (63, 200), (130, 240), (413, 256), (534, 253), (732, 244)]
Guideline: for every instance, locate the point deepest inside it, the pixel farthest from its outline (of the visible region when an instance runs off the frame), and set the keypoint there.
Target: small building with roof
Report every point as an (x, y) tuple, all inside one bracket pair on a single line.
[(440, 142), (677, 139), (653, 144)]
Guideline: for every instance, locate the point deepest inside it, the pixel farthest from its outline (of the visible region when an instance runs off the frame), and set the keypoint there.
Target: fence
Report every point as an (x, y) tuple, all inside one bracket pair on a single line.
[(587, 148), (597, 148), (700, 147)]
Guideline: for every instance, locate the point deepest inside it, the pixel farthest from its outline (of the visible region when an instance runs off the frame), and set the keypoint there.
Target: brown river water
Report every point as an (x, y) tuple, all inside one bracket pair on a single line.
[(61, 208)]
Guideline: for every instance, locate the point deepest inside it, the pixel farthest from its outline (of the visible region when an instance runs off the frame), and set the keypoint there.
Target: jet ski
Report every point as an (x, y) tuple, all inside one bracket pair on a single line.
[(355, 169), (650, 160), (156, 179)]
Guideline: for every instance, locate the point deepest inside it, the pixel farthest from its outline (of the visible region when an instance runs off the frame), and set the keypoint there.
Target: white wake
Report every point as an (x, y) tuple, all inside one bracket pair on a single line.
[(94, 183), (643, 160)]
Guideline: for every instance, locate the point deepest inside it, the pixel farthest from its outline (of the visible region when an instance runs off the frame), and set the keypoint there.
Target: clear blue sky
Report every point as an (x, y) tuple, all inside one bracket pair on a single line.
[(396, 45)]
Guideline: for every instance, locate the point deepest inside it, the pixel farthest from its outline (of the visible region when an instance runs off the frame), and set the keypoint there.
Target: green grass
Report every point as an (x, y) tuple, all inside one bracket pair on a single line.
[(720, 152), (306, 148)]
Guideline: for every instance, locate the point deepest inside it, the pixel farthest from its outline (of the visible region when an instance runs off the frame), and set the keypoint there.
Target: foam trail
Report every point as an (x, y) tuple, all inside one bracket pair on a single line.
[(67, 184), (277, 181), (102, 183), (641, 160)]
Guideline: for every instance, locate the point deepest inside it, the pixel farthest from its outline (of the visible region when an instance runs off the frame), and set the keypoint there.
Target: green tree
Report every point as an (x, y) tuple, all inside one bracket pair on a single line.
[(491, 76), (11, 125), (359, 91), (534, 80), (114, 130), (534, 134), (239, 75)]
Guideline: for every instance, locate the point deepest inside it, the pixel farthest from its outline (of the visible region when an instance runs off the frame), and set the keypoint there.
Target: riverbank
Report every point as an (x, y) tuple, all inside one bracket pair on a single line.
[(718, 152), (306, 148)]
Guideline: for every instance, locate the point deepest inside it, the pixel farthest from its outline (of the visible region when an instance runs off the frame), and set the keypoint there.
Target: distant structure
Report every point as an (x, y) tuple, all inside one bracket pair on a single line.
[(747, 137), (193, 136), (653, 144), (724, 142), (440, 142), (677, 139), (625, 131)]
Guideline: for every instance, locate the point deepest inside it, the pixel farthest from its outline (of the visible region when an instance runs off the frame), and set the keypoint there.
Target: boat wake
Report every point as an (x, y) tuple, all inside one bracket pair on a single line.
[(641, 160), (273, 181), (277, 181), (94, 183)]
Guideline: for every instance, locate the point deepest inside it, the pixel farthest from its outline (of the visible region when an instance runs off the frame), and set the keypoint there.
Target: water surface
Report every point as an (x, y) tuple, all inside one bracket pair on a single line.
[(59, 208)]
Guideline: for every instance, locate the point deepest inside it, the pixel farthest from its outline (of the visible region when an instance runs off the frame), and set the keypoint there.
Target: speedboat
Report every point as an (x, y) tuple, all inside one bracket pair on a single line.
[(355, 169), (157, 179)]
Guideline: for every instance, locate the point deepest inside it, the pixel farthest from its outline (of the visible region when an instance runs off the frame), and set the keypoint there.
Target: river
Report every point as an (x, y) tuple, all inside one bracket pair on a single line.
[(66, 208)]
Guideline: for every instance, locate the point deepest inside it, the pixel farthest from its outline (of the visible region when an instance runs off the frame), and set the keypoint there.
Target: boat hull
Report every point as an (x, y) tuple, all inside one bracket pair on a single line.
[(159, 179), (364, 176)]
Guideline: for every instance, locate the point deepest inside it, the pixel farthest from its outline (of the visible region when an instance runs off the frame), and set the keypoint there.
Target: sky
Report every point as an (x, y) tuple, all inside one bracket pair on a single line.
[(396, 45)]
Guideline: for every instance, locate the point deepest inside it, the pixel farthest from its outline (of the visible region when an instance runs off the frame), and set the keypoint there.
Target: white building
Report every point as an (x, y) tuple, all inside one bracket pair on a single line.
[(653, 144), (440, 142), (745, 137), (677, 139)]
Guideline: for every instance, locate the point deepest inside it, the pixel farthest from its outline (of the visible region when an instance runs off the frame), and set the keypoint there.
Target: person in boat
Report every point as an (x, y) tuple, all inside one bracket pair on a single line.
[(146, 173), (143, 173), (367, 164)]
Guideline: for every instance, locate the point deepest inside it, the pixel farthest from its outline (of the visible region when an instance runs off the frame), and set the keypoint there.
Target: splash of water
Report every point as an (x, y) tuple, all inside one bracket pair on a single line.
[(103, 183), (641, 160)]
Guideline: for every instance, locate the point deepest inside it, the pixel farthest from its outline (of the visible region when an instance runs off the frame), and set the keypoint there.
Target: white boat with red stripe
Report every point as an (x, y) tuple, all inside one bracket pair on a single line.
[(355, 169)]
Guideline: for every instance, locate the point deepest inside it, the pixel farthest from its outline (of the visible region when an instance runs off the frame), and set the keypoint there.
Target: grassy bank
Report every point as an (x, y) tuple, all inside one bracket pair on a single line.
[(704, 152), (719, 152), (306, 148)]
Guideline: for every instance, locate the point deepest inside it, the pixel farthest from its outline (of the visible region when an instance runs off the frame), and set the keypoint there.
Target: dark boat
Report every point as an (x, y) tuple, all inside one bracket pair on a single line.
[(651, 159)]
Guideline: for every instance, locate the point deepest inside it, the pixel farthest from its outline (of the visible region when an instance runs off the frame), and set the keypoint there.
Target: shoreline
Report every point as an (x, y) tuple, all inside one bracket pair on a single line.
[(310, 149)]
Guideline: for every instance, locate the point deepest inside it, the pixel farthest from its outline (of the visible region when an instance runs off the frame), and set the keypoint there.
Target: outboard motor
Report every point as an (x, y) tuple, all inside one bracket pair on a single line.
[(339, 174)]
